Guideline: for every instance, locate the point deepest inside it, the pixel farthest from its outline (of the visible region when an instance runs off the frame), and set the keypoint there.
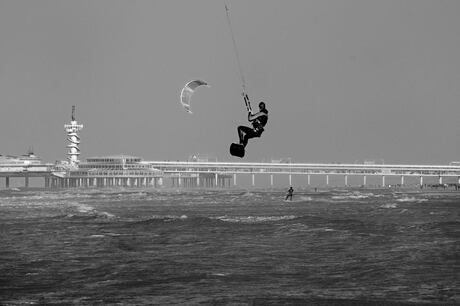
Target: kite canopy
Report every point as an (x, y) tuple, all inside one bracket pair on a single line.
[(187, 92)]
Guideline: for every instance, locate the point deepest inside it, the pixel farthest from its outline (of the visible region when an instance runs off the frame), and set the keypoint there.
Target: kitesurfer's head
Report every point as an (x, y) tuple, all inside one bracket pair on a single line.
[(262, 105)]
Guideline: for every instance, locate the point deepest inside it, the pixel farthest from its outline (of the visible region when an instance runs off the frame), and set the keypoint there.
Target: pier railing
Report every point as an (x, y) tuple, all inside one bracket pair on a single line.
[(300, 168)]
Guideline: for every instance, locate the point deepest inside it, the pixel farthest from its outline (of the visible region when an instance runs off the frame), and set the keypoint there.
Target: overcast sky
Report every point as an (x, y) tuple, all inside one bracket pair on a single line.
[(344, 80)]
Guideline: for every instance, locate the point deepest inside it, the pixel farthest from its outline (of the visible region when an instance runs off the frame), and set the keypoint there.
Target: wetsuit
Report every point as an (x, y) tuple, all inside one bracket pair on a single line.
[(289, 194), (245, 132)]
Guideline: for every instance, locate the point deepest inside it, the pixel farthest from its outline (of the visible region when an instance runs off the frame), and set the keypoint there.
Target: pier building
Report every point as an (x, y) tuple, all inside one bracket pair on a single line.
[(24, 167), (110, 171)]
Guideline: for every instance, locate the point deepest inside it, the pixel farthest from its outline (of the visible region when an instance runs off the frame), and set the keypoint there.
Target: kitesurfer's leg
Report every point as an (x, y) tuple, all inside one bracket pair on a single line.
[(244, 134), (240, 133)]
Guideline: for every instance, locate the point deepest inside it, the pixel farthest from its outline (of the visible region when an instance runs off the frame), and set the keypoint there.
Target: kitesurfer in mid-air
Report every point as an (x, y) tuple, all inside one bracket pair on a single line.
[(258, 121)]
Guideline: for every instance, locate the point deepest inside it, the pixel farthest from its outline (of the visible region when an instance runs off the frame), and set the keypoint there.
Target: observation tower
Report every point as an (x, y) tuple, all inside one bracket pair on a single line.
[(73, 139)]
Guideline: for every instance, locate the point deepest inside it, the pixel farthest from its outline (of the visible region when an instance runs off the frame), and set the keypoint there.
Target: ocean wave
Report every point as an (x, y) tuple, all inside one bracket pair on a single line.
[(253, 219), (303, 228), (168, 217), (159, 219), (353, 196), (389, 205), (249, 194), (299, 199), (411, 199), (84, 210)]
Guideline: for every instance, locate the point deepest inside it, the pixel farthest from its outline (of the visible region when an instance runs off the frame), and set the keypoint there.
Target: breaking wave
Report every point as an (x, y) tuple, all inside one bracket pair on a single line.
[(411, 199), (253, 219)]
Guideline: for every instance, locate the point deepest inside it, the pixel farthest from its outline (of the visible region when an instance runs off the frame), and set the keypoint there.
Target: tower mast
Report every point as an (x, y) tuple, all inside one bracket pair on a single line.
[(73, 139)]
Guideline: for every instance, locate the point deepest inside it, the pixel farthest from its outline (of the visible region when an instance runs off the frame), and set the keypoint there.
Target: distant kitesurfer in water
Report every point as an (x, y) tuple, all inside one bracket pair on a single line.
[(258, 121), (289, 194)]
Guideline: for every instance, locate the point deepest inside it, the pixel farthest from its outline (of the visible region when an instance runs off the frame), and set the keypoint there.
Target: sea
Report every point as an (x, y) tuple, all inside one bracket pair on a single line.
[(340, 246)]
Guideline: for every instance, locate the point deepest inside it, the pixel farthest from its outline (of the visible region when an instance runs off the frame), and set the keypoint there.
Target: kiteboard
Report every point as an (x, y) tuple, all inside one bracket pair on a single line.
[(237, 150)]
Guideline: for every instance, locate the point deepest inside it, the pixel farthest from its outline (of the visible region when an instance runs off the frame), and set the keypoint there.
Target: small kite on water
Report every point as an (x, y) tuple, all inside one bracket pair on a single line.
[(187, 92)]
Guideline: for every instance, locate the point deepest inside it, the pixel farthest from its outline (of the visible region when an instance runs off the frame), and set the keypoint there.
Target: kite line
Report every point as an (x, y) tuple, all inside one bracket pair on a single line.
[(235, 49)]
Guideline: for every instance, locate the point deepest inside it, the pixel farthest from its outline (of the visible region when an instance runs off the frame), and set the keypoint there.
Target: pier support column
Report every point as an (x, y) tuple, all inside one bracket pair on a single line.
[(253, 180), (327, 179), (234, 179), (440, 180), (7, 182), (271, 180), (364, 180), (217, 180), (421, 181), (402, 180), (346, 180), (383, 180), (308, 179)]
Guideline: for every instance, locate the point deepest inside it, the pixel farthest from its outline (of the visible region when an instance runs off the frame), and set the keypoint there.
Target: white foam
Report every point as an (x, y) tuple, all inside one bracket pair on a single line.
[(353, 196), (389, 205), (253, 219), (220, 274), (299, 199), (167, 217), (84, 208), (411, 199)]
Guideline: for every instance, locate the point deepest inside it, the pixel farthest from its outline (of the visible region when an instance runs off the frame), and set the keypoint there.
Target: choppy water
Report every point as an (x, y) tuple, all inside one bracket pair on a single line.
[(147, 247)]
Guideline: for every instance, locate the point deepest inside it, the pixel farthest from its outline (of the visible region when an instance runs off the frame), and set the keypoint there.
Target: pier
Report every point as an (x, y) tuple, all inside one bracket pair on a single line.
[(128, 171), (226, 173)]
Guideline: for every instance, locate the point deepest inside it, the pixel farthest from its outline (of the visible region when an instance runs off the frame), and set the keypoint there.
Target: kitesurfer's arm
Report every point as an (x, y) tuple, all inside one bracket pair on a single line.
[(252, 117), (247, 102)]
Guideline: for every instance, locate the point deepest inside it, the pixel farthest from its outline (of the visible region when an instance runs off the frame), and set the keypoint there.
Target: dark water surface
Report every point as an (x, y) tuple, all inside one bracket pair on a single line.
[(218, 247)]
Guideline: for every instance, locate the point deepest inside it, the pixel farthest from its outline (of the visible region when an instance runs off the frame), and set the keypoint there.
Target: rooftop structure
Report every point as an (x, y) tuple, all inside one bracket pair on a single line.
[(28, 159)]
